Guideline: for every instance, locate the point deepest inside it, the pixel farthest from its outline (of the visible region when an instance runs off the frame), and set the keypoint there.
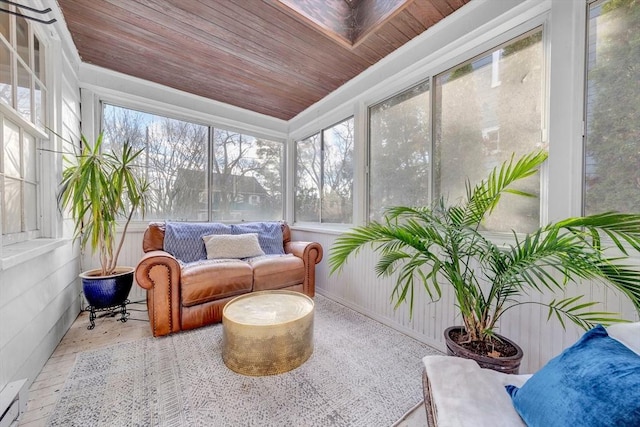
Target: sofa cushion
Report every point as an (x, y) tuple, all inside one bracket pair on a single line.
[(229, 246), (210, 280), (595, 382), (276, 271), (269, 235), (184, 241)]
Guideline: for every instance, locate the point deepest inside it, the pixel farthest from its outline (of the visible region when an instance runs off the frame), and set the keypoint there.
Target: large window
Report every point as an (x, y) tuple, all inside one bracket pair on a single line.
[(481, 113), (487, 110), (22, 104), (400, 151), (200, 173), (324, 176), (612, 148)]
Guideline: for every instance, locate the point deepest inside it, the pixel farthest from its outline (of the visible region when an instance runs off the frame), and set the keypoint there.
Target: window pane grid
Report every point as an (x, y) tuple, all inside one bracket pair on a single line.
[(197, 172), (308, 179), (22, 78), (400, 151), (612, 144), (6, 74), (324, 175), (478, 114), (487, 111), (18, 173)]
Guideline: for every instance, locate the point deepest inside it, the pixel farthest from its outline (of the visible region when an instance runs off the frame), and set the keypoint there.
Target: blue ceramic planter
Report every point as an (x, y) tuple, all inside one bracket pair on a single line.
[(107, 291)]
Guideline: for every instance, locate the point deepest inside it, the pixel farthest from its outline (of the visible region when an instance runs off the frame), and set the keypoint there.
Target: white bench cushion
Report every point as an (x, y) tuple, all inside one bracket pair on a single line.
[(465, 394)]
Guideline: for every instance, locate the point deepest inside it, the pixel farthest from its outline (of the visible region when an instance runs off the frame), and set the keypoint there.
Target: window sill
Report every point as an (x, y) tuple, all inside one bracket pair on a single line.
[(18, 253), (321, 228)]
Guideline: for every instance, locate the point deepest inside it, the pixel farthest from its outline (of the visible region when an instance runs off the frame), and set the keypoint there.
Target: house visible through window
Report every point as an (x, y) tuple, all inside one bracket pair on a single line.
[(612, 143), (478, 125), (324, 176), (197, 172)]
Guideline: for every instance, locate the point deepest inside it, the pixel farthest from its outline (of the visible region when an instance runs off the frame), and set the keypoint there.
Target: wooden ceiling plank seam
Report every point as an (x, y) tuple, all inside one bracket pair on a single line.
[(377, 44), (379, 21), (457, 4), (408, 25), (329, 21), (425, 12), (394, 37), (443, 7)]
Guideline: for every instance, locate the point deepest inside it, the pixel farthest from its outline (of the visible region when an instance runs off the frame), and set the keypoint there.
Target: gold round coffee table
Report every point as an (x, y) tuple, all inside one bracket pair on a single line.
[(267, 332)]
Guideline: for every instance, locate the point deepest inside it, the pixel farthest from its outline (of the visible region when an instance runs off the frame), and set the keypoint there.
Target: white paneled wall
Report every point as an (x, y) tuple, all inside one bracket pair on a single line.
[(38, 302)]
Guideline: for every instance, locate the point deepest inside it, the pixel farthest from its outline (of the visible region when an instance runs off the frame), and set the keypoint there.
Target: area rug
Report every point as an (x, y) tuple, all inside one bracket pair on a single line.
[(361, 373)]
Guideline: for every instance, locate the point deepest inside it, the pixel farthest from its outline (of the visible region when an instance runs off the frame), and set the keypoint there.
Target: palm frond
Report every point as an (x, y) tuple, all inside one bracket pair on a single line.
[(576, 311), (443, 245), (483, 198)]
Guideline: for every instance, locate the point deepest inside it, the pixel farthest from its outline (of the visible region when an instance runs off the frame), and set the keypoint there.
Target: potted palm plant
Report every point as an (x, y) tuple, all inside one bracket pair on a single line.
[(444, 245), (99, 189)]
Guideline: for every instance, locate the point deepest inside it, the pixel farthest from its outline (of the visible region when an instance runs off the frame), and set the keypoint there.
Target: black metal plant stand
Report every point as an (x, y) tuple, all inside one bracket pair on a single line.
[(112, 311)]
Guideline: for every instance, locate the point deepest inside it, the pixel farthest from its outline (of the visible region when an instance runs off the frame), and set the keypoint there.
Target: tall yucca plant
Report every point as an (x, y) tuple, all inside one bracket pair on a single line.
[(99, 189), (443, 244)]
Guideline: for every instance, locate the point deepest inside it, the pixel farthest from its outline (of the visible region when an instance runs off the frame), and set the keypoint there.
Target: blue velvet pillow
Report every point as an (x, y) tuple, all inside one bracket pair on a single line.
[(184, 241), (269, 235), (595, 382)]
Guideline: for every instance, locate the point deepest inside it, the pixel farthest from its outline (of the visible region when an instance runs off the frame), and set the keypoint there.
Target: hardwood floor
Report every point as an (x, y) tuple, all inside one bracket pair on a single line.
[(45, 390)]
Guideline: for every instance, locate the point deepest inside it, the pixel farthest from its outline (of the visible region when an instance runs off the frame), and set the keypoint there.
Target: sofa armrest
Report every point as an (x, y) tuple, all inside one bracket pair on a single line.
[(311, 254), (159, 273)]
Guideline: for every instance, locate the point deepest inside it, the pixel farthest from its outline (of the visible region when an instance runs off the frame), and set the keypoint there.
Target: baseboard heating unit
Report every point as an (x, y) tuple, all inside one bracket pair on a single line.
[(13, 402)]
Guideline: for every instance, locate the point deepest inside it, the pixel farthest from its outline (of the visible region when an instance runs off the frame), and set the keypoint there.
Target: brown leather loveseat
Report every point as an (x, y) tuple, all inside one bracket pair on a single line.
[(183, 296)]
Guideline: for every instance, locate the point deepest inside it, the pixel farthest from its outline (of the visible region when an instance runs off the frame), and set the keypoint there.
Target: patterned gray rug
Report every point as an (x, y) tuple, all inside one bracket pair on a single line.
[(361, 373)]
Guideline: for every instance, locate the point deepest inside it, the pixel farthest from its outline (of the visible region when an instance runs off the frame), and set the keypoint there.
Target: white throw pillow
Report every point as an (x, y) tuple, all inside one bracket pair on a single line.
[(232, 246)]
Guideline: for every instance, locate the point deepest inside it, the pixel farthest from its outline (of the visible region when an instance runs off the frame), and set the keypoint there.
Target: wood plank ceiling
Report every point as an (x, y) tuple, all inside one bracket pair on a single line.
[(275, 57)]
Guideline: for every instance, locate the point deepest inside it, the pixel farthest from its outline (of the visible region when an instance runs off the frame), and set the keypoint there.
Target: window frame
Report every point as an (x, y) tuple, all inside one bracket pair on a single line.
[(470, 53), (27, 126), (211, 126), (430, 147), (588, 5), (320, 134)]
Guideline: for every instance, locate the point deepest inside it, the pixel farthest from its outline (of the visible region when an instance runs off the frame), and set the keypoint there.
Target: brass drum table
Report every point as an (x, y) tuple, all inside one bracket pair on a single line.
[(267, 332)]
